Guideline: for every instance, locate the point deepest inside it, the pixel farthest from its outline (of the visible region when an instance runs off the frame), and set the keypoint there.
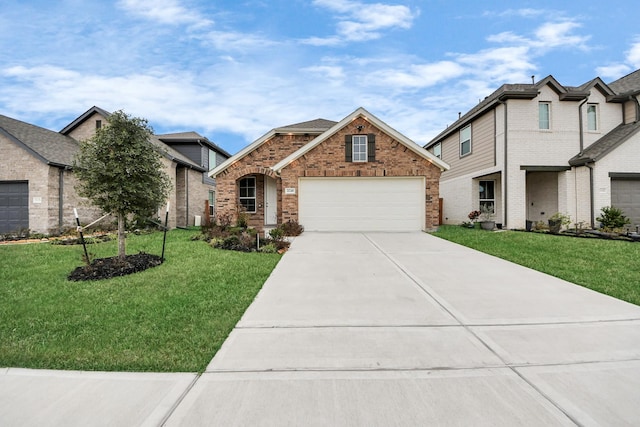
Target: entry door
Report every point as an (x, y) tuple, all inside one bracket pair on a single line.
[(270, 201)]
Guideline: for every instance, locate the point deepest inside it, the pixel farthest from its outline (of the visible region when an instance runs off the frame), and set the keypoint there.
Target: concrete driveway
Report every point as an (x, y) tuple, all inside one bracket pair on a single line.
[(379, 329)]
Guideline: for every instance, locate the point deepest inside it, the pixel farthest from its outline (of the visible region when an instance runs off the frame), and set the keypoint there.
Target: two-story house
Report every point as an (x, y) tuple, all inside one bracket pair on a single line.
[(37, 181), (528, 151)]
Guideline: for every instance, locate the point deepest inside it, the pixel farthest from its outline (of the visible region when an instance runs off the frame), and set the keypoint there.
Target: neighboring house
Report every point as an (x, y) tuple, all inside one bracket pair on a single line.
[(357, 174), (528, 151), (37, 184)]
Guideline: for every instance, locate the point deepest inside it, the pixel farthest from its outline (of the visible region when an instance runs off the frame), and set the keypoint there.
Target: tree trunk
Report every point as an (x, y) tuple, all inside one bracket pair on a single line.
[(121, 236)]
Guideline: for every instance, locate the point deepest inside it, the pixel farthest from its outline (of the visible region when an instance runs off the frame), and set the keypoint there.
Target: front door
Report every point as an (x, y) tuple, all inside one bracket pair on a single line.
[(270, 201)]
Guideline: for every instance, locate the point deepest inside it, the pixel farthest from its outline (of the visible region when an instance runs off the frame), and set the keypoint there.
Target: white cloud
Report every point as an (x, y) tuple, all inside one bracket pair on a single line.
[(418, 75), (633, 54), (164, 12), (559, 34), (631, 62), (359, 21)]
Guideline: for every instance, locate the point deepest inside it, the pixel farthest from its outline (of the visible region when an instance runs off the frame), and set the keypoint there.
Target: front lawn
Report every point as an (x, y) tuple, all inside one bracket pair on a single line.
[(170, 318), (606, 266)]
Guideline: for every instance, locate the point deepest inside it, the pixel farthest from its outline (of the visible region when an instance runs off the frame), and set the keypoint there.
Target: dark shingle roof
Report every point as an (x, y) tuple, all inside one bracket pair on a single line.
[(606, 144), (77, 122), (49, 146), (627, 84), (179, 137), (317, 125)]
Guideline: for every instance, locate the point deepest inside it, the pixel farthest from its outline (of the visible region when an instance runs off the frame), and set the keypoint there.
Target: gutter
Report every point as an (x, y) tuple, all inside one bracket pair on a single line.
[(581, 125), (505, 167)]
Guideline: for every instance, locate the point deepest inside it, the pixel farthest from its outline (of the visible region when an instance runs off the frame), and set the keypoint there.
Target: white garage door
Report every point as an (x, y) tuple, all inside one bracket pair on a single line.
[(625, 195), (362, 204)]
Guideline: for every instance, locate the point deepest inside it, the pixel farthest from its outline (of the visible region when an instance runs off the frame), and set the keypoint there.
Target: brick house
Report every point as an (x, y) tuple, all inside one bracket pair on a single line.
[(356, 174), (37, 182), (528, 151)]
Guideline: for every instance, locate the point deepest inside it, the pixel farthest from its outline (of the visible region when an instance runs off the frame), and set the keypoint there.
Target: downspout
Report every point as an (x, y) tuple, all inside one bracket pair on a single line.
[(60, 199), (580, 125), (581, 143), (186, 192), (504, 168)]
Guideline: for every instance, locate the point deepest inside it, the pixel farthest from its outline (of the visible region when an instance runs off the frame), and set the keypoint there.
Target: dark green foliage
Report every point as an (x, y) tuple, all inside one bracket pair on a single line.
[(121, 171), (612, 218), (292, 228)]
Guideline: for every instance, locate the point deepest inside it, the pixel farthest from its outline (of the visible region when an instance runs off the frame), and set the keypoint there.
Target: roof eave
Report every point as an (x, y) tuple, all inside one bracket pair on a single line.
[(241, 154)]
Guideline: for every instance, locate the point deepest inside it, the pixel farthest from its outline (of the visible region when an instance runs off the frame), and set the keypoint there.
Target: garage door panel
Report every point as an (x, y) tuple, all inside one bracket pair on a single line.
[(14, 206), (362, 204), (625, 195)]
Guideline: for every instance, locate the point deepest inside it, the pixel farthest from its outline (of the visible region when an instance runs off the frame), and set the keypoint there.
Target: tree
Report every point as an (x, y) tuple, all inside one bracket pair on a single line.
[(121, 171)]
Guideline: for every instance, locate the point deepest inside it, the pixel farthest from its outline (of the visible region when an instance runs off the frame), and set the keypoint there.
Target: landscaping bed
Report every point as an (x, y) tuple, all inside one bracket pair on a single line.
[(170, 318)]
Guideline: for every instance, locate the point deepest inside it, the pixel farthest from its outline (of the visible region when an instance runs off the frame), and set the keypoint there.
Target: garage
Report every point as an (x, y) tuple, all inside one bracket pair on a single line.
[(362, 204), (14, 206), (625, 195)]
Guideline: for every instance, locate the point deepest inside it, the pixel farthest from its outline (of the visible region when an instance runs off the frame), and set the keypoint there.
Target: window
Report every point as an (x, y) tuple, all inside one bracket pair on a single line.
[(465, 141), (437, 150), (212, 159), (487, 196), (359, 148), (248, 193), (98, 124), (212, 203), (592, 116), (544, 115)]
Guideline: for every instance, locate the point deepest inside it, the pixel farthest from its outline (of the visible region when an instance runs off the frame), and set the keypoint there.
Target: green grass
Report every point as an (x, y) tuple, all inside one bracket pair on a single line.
[(607, 266), (170, 318)]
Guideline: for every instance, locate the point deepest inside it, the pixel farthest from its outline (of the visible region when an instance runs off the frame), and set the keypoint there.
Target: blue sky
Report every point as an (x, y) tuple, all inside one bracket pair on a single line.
[(233, 69)]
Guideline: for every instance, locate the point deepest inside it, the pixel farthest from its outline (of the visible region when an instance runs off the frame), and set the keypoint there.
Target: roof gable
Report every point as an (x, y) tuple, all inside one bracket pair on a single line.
[(629, 84), (84, 116), (50, 147), (360, 112), (317, 126)]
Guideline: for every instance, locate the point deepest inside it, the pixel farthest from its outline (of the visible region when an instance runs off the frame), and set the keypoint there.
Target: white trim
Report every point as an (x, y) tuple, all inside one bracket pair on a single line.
[(361, 112), (240, 154)]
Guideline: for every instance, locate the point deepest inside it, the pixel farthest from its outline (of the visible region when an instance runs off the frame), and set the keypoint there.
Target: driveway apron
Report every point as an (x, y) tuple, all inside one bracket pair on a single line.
[(379, 329)]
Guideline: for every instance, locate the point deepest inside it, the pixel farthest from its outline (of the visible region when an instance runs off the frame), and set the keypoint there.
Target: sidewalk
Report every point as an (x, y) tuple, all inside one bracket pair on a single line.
[(379, 329)]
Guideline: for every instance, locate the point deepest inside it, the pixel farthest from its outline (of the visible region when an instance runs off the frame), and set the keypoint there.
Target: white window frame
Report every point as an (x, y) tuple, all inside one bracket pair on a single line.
[(491, 201), (212, 203), (465, 140), (212, 159), (359, 145), (544, 123), (437, 150), (592, 117), (248, 197)]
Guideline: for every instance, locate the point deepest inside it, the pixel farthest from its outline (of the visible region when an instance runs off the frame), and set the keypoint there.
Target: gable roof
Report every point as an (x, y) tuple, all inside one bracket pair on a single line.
[(606, 144), (50, 147), (627, 85), (360, 112), (523, 91), (315, 127), (77, 122)]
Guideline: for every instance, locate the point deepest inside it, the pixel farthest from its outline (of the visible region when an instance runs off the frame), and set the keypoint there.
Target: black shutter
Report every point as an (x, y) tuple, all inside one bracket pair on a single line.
[(371, 148), (348, 148)]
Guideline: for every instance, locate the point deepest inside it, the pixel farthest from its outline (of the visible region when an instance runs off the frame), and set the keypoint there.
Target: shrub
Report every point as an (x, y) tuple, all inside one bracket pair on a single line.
[(243, 218), (277, 234), (612, 218), (292, 228), (269, 249)]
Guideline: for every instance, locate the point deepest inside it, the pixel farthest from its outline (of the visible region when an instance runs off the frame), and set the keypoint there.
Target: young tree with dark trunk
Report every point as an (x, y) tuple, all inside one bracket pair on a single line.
[(121, 171)]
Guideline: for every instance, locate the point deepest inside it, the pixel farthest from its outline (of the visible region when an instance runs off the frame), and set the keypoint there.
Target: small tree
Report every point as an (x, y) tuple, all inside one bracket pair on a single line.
[(121, 171)]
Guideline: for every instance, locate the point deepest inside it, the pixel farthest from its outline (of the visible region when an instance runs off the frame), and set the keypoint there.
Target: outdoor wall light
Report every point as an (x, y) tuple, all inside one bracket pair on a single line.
[(360, 127)]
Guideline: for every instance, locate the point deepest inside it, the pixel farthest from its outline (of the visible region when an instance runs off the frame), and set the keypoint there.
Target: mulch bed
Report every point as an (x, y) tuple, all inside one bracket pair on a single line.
[(106, 268)]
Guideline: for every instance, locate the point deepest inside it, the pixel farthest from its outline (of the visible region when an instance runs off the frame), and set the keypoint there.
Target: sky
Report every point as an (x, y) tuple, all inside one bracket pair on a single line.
[(232, 70)]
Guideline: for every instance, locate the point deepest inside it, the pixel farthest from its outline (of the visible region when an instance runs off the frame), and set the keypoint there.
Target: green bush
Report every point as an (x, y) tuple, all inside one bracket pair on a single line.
[(612, 218)]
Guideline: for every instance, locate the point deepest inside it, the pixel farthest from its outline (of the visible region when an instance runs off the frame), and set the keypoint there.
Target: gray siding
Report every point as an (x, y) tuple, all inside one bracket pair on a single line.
[(192, 151), (482, 148)]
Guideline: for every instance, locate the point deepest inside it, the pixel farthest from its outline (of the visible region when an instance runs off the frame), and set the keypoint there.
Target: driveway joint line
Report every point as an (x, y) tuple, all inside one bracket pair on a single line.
[(419, 283), (179, 400)]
